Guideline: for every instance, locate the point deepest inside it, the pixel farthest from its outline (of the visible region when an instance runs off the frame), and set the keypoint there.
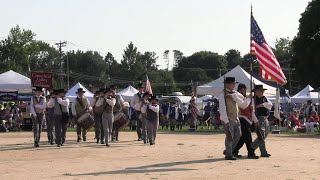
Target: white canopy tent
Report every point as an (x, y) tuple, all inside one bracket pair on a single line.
[(13, 81), (71, 94), (215, 87), (128, 93), (304, 95)]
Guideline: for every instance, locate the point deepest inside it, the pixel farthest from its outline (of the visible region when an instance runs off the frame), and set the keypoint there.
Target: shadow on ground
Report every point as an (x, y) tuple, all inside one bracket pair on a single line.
[(161, 167)]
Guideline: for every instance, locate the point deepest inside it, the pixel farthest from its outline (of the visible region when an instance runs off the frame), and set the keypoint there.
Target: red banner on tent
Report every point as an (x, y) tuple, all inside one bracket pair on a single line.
[(41, 79)]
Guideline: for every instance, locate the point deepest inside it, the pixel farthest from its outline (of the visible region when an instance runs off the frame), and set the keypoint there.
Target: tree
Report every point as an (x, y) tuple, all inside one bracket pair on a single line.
[(211, 63), (149, 60), (166, 57), (16, 49), (177, 57), (306, 46), (233, 58), (129, 56)]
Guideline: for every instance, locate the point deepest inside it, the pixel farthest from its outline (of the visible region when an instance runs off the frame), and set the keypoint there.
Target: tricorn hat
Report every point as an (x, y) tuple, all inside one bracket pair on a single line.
[(38, 89), (61, 91), (80, 90), (258, 87), (230, 80), (113, 87), (241, 86), (107, 90), (146, 94), (153, 98)]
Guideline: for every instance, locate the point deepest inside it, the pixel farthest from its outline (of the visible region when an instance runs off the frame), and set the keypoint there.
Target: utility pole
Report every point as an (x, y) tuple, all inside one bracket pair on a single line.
[(60, 45)]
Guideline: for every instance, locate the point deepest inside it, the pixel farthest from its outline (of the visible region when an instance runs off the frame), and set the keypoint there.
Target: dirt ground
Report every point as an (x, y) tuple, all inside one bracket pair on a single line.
[(175, 156)]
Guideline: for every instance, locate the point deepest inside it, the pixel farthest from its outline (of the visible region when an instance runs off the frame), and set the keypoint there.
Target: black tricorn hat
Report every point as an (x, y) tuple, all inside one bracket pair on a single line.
[(241, 86), (107, 90), (258, 87), (80, 90), (146, 94), (153, 98), (113, 87), (38, 89), (61, 91), (230, 80)]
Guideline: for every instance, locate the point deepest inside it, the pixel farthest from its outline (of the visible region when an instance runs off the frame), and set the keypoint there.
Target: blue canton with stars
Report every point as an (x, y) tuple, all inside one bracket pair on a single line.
[(256, 32)]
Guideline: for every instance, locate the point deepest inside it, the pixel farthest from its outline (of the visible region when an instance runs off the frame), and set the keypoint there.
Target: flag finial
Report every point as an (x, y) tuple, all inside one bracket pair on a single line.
[(251, 9)]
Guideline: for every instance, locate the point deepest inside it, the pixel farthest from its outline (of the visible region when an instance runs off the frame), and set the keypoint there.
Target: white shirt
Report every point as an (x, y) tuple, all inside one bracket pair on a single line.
[(63, 102), (155, 109), (243, 103), (40, 106), (136, 102)]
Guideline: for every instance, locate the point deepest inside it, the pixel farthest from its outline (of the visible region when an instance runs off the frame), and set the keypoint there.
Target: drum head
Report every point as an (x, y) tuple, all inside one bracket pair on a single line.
[(84, 116)]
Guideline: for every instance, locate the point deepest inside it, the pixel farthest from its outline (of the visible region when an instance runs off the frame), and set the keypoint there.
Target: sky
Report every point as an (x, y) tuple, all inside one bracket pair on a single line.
[(152, 25)]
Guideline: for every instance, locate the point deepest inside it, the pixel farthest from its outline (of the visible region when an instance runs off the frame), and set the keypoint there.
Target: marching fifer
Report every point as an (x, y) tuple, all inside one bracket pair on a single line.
[(80, 106), (107, 115), (152, 119), (262, 107), (143, 117), (97, 112), (136, 103), (61, 107), (38, 107)]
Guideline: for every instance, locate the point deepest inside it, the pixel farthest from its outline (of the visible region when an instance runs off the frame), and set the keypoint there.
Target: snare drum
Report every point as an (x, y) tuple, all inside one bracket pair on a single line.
[(120, 120), (86, 121)]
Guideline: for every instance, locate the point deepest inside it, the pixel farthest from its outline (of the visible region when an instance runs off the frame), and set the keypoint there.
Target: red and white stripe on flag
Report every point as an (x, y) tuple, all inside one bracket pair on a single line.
[(148, 87), (193, 105), (264, 75)]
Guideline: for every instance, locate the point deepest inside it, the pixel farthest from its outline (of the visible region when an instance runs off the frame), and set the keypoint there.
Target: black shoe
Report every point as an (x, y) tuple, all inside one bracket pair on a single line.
[(151, 143), (107, 145), (36, 144), (237, 155), (139, 139), (98, 141), (230, 158), (79, 139), (61, 144), (224, 152), (51, 142), (84, 139), (58, 145), (253, 157), (265, 155)]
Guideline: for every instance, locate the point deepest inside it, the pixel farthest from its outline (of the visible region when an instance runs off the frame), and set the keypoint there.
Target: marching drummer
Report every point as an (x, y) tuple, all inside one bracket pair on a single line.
[(152, 118), (80, 106), (107, 115), (143, 117), (116, 109), (97, 112)]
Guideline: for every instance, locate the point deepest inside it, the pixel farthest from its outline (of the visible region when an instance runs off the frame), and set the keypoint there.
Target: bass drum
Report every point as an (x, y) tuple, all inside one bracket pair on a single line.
[(120, 120), (86, 121)]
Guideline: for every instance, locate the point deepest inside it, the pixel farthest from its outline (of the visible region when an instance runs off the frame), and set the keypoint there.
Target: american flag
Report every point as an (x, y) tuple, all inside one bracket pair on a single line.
[(193, 105), (148, 87), (269, 66)]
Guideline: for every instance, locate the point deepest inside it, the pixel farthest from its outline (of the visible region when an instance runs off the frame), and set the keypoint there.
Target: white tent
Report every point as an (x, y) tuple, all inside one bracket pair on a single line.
[(71, 94), (12, 81), (304, 95), (204, 98), (215, 87), (128, 93)]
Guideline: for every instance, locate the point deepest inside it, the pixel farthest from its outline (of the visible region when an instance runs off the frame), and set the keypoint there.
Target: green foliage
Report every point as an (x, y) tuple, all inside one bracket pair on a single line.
[(306, 46), (233, 58)]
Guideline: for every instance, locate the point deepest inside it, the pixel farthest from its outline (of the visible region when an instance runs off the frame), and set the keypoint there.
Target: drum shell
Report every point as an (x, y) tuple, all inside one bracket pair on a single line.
[(120, 120), (86, 121)]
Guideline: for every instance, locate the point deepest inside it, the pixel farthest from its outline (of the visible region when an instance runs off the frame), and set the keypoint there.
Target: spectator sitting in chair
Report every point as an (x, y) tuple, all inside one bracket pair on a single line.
[(294, 119), (313, 120)]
